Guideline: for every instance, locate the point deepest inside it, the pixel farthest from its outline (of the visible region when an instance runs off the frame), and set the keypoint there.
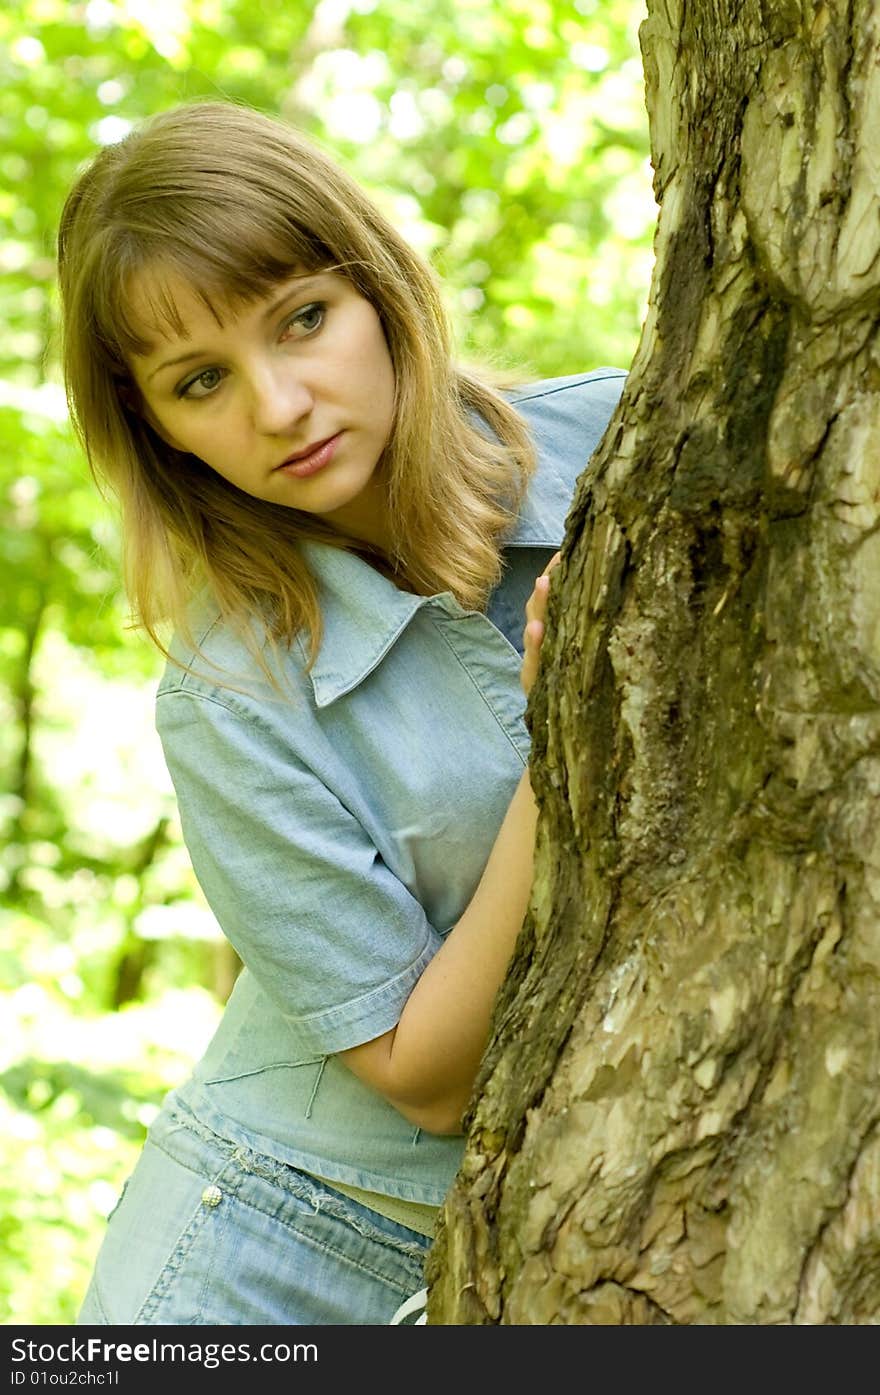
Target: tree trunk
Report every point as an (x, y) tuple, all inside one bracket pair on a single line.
[(24, 695), (677, 1118)]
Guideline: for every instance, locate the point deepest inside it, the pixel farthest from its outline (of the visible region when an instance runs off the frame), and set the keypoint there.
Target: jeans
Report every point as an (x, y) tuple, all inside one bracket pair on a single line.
[(208, 1233)]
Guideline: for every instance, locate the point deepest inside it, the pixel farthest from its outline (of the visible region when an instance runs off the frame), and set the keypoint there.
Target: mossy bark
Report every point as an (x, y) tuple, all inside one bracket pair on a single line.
[(678, 1119)]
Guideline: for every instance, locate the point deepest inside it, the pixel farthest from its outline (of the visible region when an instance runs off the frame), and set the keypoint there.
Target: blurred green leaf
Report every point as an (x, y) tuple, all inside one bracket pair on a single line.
[(509, 143)]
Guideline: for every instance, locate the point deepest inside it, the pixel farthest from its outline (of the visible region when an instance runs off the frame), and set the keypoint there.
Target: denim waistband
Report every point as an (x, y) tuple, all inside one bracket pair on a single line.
[(265, 1182)]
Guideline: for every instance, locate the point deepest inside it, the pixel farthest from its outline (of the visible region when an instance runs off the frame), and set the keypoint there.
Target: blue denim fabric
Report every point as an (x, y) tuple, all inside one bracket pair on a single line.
[(208, 1233), (338, 829)]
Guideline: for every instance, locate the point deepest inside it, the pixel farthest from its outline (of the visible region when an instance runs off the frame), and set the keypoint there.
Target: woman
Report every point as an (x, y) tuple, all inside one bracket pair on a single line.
[(346, 532)]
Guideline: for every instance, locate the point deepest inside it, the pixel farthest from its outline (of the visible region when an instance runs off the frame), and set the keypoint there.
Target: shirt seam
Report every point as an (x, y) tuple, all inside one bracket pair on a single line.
[(243, 713), (563, 387), (498, 718)]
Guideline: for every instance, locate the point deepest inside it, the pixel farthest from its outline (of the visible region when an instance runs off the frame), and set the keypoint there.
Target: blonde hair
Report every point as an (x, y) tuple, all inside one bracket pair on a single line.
[(235, 201)]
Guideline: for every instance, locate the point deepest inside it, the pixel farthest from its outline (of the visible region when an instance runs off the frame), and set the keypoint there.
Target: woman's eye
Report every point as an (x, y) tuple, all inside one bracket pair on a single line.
[(306, 320), (201, 385)]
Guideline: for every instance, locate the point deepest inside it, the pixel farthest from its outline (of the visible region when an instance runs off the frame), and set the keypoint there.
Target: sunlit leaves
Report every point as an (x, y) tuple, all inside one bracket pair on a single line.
[(509, 144)]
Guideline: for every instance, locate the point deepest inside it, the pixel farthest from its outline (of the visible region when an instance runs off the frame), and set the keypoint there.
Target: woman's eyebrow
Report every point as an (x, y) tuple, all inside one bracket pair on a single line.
[(302, 283), (173, 362)]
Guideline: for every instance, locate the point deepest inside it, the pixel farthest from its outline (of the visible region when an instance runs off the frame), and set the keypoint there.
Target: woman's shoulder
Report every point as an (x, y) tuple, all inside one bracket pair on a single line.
[(567, 417), (572, 387), (582, 402), (238, 666)]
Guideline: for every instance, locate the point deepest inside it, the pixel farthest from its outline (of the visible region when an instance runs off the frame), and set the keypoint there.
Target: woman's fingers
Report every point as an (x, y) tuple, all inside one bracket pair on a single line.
[(533, 633)]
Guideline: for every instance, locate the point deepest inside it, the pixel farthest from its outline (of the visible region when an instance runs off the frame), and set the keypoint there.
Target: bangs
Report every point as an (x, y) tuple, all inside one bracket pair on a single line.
[(225, 270)]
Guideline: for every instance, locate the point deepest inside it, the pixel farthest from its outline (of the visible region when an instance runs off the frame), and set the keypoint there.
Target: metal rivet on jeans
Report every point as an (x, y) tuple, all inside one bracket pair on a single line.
[(212, 1196)]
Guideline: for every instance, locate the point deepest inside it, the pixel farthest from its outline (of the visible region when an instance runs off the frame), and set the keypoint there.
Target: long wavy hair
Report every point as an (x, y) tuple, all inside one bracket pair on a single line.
[(234, 201)]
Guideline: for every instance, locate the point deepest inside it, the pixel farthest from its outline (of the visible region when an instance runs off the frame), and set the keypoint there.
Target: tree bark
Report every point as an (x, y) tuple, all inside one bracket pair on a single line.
[(677, 1117)]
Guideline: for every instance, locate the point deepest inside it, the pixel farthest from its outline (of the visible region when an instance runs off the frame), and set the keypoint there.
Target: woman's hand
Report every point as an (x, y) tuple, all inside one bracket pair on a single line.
[(533, 634)]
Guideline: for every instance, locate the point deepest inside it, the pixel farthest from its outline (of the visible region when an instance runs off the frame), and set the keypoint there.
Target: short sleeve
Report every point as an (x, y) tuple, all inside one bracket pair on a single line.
[(334, 939)]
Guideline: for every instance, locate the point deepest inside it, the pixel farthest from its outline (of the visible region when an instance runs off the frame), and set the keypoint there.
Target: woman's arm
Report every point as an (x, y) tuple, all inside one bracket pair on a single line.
[(426, 1065)]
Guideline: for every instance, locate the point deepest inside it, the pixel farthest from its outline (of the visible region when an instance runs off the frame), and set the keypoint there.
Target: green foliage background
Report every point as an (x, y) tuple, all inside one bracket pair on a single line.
[(509, 142)]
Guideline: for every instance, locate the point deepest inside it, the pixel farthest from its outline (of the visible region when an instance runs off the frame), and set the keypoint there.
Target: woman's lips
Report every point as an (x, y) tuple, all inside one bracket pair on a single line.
[(313, 461)]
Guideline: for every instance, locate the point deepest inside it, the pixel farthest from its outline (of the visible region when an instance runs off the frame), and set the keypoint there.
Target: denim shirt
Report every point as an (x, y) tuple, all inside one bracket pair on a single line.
[(340, 828)]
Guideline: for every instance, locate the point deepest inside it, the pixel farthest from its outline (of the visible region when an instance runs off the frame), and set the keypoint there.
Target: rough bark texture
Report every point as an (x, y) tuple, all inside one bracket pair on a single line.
[(678, 1119)]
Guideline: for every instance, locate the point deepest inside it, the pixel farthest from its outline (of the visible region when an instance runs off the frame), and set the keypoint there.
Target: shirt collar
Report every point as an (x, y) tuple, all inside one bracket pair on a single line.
[(543, 512), (364, 613)]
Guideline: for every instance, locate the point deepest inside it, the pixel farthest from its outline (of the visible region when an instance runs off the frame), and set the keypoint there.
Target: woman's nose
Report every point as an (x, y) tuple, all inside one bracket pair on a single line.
[(280, 399)]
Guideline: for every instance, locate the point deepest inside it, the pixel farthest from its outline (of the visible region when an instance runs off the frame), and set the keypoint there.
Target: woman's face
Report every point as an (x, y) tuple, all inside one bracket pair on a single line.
[(291, 399)]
